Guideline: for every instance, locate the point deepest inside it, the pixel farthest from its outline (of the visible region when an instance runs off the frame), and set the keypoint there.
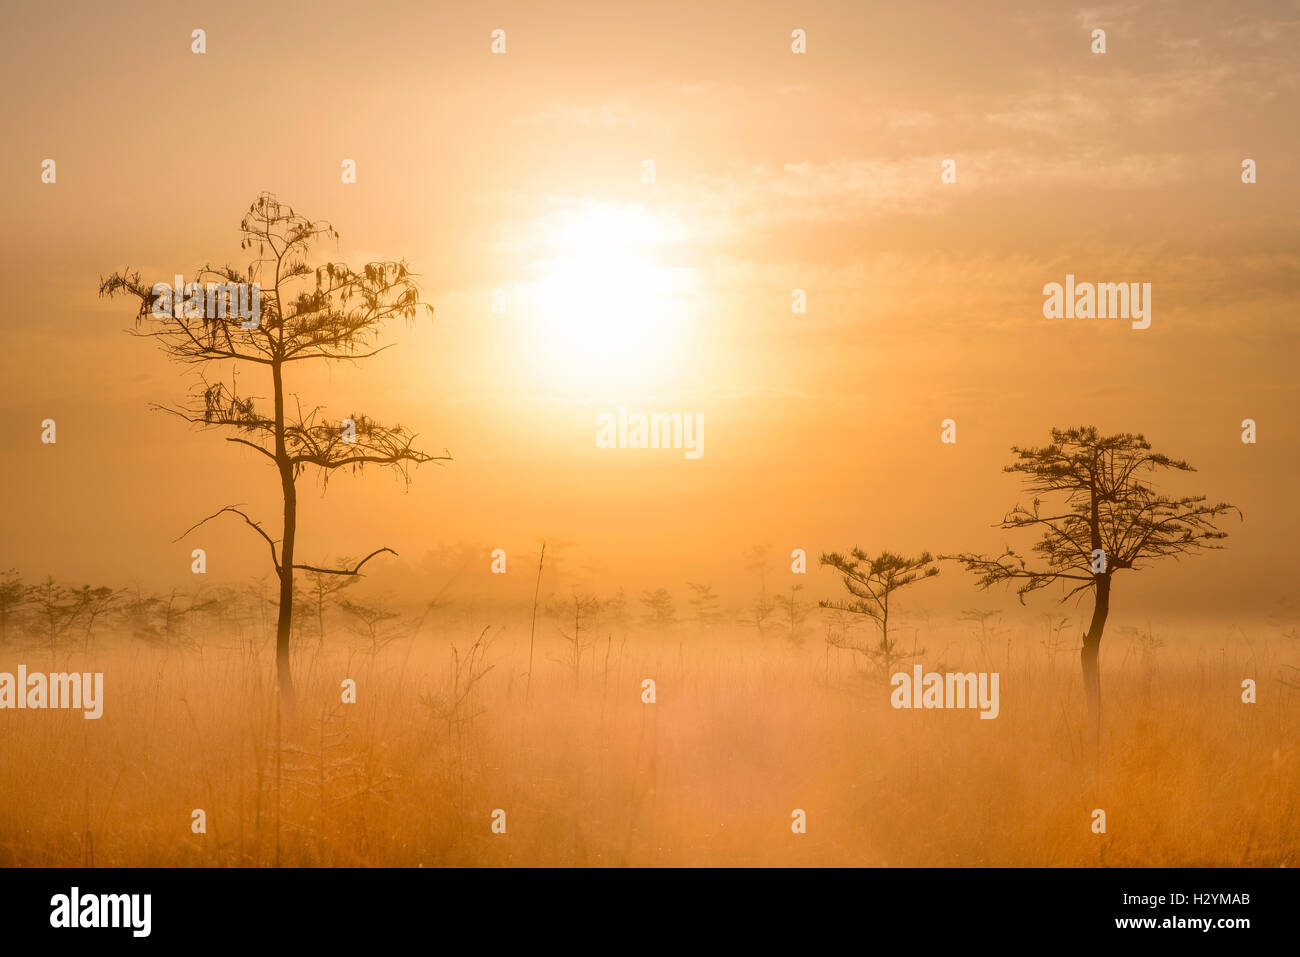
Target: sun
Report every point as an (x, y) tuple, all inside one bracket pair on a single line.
[(606, 305)]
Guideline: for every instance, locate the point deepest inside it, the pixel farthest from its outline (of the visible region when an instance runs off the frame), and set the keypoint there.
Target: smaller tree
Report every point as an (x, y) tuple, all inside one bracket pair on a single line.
[(583, 608), (374, 623), (223, 611), (323, 589), (55, 610), (174, 614), (137, 612), (93, 604), (703, 603), (13, 597), (871, 583), (1055, 640), (987, 619), (763, 605), (457, 704), (614, 610), (659, 610), (793, 613)]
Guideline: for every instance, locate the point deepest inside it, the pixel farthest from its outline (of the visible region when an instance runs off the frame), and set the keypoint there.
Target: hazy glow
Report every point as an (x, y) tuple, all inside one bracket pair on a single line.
[(605, 306)]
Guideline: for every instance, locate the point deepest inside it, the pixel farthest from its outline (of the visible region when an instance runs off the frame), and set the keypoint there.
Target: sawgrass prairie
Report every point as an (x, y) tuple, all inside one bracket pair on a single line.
[(743, 732)]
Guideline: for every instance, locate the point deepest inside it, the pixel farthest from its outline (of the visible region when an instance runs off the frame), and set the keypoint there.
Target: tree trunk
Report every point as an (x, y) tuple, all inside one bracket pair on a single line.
[(284, 621), (1091, 650)]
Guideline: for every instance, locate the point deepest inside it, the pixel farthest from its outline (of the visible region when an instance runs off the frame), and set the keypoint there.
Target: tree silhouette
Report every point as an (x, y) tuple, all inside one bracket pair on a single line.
[(328, 313), (94, 604), (584, 607), (13, 596), (374, 623), (871, 582), (56, 609), (703, 603), (659, 610), (324, 590), (1108, 518), (764, 605), (136, 613), (793, 613)]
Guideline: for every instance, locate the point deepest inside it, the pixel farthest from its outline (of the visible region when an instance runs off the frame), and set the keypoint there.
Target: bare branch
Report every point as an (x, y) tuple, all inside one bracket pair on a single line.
[(252, 524), (344, 571)]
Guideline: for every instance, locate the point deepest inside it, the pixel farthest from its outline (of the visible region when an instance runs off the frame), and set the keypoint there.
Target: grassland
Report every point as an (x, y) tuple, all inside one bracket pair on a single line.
[(744, 730)]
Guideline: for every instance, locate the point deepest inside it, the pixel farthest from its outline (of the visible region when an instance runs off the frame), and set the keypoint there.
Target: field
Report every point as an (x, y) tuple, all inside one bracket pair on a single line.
[(744, 731)]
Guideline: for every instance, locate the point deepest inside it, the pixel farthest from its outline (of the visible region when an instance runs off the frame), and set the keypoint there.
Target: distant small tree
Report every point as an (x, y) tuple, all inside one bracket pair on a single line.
[(871, 583), (92, 605), (222, 610), (374, 623), (257, 598), (457, 704), (659, 610), (614, 609), (703, 604), (13, 596), (987, 620), (56, 609), (162, 620), (793, 614), (582, 607), (1055, 641), (761, 608), (175, 611), (137, 612), (1107, 518), (324, 589)]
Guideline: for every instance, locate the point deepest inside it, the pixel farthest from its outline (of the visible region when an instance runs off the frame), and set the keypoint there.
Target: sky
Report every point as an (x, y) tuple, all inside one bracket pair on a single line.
[(519, 178)]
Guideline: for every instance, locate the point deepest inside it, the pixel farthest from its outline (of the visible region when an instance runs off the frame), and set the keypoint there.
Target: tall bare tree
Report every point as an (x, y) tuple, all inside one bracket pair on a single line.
[(330, 312), (1107, 518)]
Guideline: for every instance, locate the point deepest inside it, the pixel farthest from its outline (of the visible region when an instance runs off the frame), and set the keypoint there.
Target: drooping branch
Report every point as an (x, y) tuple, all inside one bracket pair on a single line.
[(344, 571), (275, 559)]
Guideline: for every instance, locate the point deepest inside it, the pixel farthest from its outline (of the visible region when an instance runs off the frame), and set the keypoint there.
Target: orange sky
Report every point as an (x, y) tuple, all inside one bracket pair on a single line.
[(774, 171)]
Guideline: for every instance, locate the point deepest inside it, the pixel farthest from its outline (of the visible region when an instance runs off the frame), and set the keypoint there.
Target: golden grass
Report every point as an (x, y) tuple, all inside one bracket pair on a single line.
[(743, 733)]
